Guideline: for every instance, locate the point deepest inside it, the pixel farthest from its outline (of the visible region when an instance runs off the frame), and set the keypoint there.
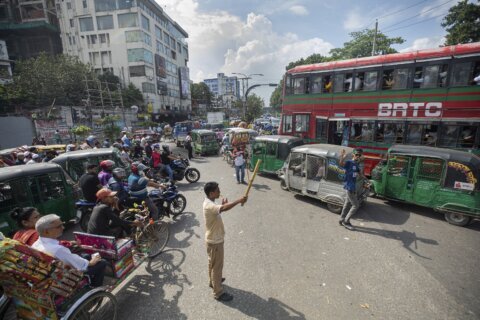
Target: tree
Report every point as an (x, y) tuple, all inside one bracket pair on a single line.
[(110, 129), (462, 23), (361, 45), (276, 97), (201, 94), (255, 106), (314, 58), (37, 82), (131, 96), (81, 131)]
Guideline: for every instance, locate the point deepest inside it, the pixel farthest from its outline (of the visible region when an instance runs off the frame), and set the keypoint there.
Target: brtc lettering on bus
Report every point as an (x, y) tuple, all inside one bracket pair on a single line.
[(412, 109)]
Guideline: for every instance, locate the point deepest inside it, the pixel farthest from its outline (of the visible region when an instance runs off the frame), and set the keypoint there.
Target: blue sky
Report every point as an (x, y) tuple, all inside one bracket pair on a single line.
[(250, 36)]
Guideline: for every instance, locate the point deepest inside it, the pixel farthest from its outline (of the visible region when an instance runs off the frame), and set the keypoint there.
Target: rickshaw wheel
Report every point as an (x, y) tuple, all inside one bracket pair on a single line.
[(335, 208), (154, 238), (101, 305), (457, 219)]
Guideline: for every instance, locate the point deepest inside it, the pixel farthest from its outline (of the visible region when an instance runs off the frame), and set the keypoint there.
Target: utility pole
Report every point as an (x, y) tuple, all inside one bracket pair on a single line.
[(375, 37)]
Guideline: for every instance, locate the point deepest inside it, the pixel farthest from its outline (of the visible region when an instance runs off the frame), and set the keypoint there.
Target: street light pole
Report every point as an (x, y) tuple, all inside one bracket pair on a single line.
[(253, 87), (245, 77)]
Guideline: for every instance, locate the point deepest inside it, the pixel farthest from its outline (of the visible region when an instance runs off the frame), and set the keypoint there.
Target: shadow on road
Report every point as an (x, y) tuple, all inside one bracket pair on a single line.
[(383, 213), (260, 187), (183, 225), (256, 307), (136, 298), (406, 237)]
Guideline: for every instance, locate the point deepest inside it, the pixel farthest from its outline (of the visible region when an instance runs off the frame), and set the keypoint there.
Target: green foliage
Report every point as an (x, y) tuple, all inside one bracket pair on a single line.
[(201, 94), (255, 106), (81, 131), (132, 96), (39, 81), (314, 58), (462, 23), (110, 129), (276, 98), (361, 45)]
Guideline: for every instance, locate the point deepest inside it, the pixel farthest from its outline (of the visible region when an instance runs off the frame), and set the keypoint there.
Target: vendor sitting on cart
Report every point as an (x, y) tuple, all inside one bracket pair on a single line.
[(50, 228)]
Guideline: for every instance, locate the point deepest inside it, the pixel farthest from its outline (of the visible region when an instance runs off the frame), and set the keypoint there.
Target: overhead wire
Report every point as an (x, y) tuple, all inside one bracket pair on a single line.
[(412, 24)]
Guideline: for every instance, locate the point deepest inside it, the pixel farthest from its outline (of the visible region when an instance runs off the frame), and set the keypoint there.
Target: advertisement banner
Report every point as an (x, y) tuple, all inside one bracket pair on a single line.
[(160, 66), (184, 76)]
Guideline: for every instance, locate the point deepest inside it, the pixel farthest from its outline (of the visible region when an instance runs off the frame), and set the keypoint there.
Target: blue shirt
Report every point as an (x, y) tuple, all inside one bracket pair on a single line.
[(351, 171), (138, 186)]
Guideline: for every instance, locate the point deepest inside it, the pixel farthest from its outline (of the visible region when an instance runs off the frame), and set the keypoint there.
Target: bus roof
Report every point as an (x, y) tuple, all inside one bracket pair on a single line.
[(27, 170), (449, 51), (442, 153)]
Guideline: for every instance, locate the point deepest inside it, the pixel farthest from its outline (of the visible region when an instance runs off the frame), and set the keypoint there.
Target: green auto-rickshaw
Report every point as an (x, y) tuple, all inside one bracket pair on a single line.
[(44, 186), (204, 142), (442, 179), (273, 151), (75, 162)]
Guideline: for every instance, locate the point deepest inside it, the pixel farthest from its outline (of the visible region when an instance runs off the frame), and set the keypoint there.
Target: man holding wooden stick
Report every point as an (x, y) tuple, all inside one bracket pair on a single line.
[(214, 236)]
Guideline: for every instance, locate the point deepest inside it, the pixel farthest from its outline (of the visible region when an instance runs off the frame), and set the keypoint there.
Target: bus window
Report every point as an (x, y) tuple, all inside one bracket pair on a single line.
[(299, 86), (338, 83), (287, 123), (301, 122), (417, 77), (362, 130), (431, 76), (321, 129), (316, 84), (400, 78), (327, 84), (449, 136), (288, 85), (467, 136), (348, 83), (389, 133), (430, 135), (414, 134), (476, 74), (370, 81), (387, 79), (359, 77), (461, 74)]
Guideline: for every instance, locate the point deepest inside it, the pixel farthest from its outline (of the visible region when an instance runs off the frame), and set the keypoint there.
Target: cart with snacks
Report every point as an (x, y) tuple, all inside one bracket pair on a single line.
[(42, 287)]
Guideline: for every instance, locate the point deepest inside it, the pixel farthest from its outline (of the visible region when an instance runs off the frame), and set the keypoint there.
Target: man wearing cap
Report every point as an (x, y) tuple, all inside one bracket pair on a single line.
[(352, 169), (35, 158), (90, 184), (50, 228), (104, 221)]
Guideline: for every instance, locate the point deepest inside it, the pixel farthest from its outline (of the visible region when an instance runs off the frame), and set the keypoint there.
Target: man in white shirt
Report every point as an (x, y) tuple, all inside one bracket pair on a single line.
[(214, 237), (50, 228)]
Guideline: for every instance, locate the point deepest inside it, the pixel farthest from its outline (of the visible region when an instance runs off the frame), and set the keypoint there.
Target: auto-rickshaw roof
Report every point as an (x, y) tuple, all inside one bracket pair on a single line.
[(240, 130), (80, 154), (27, 170), (204, 132), (278, 139), (323, 150), (442, 153)]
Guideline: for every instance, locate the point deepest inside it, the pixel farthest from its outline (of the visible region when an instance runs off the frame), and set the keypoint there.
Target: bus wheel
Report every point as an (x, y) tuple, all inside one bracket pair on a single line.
[(457, 219), (335, 208)]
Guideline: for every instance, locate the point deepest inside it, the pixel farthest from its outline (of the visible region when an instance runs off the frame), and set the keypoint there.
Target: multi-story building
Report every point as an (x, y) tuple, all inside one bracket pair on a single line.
[(29, 27), (223, 86), (138, 42)]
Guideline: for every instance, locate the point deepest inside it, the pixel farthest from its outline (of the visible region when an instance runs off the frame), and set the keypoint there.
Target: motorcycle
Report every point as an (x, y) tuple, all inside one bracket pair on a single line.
[(84, 211), (169, 202), (180, 170)]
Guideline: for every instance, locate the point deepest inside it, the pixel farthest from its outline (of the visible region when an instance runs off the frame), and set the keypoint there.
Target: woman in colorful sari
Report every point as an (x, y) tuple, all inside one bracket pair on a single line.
[(26, 219)]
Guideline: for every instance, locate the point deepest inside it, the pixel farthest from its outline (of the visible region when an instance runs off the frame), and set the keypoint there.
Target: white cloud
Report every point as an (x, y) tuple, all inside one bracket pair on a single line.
[(222, 42), (299, 10), (425, 43), (354, 21)]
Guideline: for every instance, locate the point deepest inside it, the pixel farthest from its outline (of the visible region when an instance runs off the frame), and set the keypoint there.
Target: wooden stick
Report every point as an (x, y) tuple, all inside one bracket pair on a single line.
[(250, 182)]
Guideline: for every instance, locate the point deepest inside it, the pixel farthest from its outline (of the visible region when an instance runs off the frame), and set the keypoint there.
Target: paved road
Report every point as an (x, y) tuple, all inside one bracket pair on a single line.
[(286, 257)]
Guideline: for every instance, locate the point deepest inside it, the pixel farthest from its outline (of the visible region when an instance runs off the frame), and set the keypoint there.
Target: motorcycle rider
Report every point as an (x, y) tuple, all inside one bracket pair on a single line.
[(138, 183), (167, 158), (106, 173), (89, 183), (117, 184), (89, 143)]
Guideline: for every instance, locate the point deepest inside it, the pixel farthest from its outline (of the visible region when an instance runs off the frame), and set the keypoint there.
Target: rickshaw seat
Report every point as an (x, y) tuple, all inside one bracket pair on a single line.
[(117, 251), (37, 282)]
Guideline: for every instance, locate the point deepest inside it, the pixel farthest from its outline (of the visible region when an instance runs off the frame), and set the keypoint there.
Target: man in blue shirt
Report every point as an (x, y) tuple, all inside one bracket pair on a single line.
[(352, 170)]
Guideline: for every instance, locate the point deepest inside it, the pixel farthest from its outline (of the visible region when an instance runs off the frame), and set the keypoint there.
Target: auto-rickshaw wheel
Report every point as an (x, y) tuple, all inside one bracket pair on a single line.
[(335, 208), (101, 305), (457, 219), (283, 185)]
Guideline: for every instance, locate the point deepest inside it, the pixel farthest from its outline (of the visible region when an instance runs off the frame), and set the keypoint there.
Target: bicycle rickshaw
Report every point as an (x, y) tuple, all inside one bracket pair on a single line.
[(42, 287)]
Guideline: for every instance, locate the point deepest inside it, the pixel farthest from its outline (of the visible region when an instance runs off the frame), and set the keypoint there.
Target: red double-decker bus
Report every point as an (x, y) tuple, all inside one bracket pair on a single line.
[(428, 97)]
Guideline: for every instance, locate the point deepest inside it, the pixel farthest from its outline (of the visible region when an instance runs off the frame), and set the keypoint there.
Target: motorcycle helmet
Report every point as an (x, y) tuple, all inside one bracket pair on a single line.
[(107, 164), (138, 167), (91, 140), (119, 173)]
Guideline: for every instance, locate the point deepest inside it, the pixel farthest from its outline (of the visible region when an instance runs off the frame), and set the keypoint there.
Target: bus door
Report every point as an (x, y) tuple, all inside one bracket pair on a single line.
[(296, 172), (338, 131), (399, 177), (427, 179), (315, 173)]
